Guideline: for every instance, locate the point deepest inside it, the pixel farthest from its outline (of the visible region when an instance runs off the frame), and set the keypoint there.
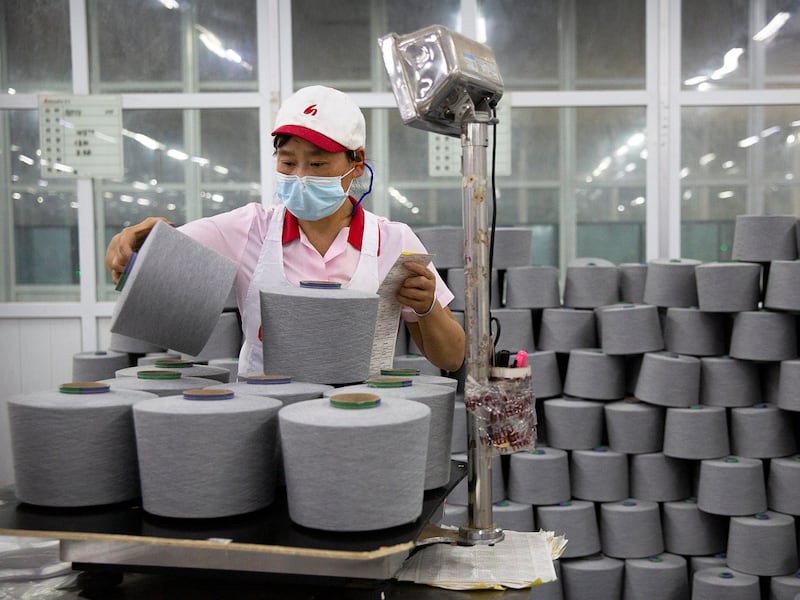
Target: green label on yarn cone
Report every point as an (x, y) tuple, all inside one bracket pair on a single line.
[(174, 363), (388, 382), (158, 375), (208, 394), (269, 379), (400, 372), (84, 387), (355, 401)]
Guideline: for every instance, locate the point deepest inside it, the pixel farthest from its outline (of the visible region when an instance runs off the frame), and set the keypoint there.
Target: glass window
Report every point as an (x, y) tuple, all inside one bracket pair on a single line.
[(35, 62), (191, 45), (336, 43), (544, 45)]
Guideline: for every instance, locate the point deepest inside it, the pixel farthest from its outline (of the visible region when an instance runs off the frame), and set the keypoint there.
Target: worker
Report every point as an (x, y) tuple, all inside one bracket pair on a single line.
[(317, 231)]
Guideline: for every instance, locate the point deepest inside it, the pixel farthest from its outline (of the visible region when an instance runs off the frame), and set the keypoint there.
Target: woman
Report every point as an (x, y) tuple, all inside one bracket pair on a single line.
[(319, 232)]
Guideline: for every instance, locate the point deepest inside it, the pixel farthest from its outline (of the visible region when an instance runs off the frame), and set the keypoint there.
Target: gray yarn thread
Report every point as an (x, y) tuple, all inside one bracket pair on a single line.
[(632, 277), (747, 427), (629, 329), (729, 382), (763, 335), (573, 424), (356, 469), (545, 378), (593, 375), (441, 402), (671, 282), (764, 238), (577, 521), (599, 475), (668, 379), (731, 486), (186, 368), (222, 455), (225, 340), (782, 485), (287, 393), (458, 439), (174, 292), (591, 285), (512, 247), (74, 450), (94, 366), (764, 544), (783, 289), (693, 332), (634, 427), (159, 387), (304, 328), (532, 286), (446, 243), (688, 530), (132, 345), (460, 494), (513, 516), (728, 287), (563, 329), (659, 478), (715, 582), (516, 329), (631, 529), (593, 577), (661, 576), (456, 283), (540, 476), (699, 432)]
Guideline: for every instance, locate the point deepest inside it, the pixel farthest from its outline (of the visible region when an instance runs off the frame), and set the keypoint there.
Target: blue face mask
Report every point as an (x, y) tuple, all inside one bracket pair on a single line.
[(311, 198)]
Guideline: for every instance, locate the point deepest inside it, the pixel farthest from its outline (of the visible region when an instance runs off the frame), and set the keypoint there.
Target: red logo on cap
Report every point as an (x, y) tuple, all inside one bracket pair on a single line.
[(311, 109)]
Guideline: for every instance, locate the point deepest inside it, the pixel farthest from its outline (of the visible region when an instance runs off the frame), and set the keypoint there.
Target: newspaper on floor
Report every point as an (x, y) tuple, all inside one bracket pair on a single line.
[(522, 559)]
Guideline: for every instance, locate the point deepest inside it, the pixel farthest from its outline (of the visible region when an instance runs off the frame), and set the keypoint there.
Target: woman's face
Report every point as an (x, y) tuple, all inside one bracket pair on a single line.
[(301, 158)]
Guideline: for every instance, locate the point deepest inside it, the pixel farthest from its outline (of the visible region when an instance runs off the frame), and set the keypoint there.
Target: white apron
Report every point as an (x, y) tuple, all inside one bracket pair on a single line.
[(269, 274)]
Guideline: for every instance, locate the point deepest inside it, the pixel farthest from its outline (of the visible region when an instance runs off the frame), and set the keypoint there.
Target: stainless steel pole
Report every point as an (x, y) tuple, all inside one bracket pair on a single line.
[(480, 528)]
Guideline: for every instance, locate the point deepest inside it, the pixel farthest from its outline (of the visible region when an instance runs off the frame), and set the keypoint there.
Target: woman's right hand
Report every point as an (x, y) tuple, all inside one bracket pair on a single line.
[(126, 242)]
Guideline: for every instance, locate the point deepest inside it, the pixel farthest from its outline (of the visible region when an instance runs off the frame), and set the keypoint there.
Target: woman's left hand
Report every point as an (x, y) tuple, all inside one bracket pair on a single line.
[(418, 290)]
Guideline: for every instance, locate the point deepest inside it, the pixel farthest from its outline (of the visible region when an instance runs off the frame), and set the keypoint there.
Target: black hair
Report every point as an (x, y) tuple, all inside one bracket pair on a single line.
[(280, 139)]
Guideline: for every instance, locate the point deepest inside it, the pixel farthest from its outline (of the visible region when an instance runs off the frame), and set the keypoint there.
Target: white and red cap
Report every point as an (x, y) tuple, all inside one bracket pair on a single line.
[(323, 116)]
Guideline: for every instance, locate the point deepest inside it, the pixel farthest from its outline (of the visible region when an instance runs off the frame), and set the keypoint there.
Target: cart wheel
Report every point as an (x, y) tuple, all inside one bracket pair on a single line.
[(98, 580)]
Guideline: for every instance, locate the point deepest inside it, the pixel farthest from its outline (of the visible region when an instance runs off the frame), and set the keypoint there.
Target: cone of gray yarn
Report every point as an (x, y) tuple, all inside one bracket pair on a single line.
[(731, 486), (551, 590), (446, 243), (545, 377), (591, 285), (539, 476), (594, 375), (659, 478), (669, 379), (631, 529), (671, 282), (785, 587), (280, 388), (788, 395), (575, 520), (573, 424), (159, 383), (416, 362), (592, 577), (318, 324), (173, 292), (599, 475), (564, 329), (417, 377), (455, 515), (747, 427), (152, 358), (632, 277), (716, 583), (729, 382), (693, 332), (513, 516), (512, 247), (460, 493), (698, 563), (783, 287), (231, 364), (222, 454), (660, 577), (97, 365), (697, 432), (770, 376), (441, 402), (532, 286), (131, 345), (354, 469), (634, 427), (728, 287), (764, 335), (764, 238), (690, 531), (456, 283), (186, 368), (783, 484), (763, 544), (629, 329), (74, 449), (225, 339), (516, 329)]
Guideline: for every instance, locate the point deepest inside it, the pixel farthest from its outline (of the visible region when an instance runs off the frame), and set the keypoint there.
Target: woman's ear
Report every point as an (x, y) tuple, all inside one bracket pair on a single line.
[(359, 163)]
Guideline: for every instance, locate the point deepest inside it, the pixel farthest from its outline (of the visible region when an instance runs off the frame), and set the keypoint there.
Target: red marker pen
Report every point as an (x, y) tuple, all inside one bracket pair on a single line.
[(522, 359)]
